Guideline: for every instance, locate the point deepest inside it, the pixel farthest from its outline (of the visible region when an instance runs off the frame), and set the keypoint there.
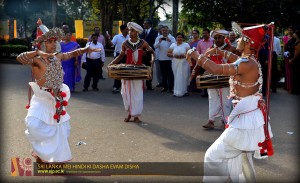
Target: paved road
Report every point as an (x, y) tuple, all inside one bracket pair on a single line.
[(171, 131)]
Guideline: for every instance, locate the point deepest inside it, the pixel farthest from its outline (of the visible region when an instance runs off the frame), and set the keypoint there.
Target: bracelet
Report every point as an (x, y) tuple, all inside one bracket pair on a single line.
[(200, 57), (228, 56), (24, 59), (190, 51), (225, 54), (30, 59), (79, 52), (205, 62), (193, 71)]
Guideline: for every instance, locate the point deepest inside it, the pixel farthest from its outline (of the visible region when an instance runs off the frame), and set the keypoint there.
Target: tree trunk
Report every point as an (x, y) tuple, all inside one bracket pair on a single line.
[(124, 11), (54, 12), (107, 10), (175, 17)]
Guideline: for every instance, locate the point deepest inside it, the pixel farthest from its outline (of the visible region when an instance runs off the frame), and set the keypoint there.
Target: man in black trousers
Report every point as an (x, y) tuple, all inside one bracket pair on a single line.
[(149, 35)]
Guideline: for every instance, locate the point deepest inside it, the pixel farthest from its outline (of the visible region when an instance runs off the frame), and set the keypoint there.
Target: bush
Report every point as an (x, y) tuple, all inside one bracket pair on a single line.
[(10, 50), (2, 41), (81, 41), (17, 41)]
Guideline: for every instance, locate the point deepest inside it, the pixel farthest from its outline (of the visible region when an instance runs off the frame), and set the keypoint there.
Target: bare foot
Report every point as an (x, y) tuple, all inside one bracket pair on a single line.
[(137, 120), (39, 160), (128, 118)]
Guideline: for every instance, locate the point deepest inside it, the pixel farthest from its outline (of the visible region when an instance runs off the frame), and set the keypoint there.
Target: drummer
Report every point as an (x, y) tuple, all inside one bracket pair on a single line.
[(219, 105), (132, 90)]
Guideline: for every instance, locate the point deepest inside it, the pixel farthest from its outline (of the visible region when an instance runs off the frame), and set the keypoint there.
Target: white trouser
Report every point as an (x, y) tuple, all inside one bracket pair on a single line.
[(223, 162), (49, 142)]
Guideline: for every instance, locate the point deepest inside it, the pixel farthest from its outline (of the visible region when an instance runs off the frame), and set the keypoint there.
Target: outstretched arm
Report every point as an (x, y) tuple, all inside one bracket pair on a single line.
[(27, 58), (78, 52), (149, 49), (218, 69)]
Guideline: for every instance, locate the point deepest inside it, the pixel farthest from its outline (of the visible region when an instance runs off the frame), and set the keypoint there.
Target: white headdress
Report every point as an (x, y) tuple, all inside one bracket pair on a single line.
[(220, 32), (44, 34), (135, 26)]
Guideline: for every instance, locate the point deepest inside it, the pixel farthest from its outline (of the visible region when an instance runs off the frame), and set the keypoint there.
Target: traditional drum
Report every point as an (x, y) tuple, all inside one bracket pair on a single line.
[(129, 72), (212, 81)]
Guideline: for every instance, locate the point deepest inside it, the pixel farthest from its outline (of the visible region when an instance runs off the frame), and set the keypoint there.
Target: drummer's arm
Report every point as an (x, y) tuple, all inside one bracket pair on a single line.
[(119, 58), (149, 49), (212, 67)]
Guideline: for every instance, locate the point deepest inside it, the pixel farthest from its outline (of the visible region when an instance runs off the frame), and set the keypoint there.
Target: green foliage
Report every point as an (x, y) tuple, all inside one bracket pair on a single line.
[(27, 12), (82, 42), (205, 13), (10, 50)]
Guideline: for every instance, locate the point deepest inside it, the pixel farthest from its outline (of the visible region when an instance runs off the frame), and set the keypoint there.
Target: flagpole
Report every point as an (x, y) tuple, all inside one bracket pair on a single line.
[(271, 41)]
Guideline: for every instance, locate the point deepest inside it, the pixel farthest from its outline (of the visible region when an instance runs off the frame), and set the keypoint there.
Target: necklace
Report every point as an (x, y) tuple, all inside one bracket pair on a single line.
[(134, 44), (221, 47)]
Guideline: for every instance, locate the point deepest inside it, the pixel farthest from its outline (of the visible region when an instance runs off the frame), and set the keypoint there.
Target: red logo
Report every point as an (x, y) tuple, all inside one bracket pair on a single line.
[(21, 167)]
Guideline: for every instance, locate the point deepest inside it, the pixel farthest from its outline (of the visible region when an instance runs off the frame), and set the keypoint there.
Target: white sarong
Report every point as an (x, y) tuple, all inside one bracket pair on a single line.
[(181, 71), (223, 159), (48, 138), (132, 94)]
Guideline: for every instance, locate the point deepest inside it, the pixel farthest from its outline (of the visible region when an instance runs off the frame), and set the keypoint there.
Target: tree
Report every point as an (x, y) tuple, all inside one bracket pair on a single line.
[(175, 17), (54, 11), (107, 9), (77, 9), (206, 13)]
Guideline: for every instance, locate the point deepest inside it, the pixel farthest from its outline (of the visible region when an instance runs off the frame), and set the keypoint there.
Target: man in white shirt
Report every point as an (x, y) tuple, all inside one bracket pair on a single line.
[(232, 39), (275, 73), (101, 40), (157, 66), (95, 62), (163, 42), (117, 42)]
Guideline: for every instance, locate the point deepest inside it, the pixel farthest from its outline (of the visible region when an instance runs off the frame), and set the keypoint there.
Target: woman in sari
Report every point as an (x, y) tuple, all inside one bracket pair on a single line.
[(71, 66)]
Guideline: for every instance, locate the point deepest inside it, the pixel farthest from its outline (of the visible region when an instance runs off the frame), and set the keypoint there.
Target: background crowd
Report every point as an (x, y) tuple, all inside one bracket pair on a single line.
[(172, 69)]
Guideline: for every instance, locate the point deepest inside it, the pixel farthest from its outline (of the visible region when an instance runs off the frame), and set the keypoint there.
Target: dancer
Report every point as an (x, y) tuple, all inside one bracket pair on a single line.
[(246, 130), (47, 121)]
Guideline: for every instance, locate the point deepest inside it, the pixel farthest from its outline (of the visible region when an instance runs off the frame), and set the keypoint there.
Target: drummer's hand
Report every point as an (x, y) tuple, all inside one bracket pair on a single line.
[(44, 55), (188, 55), (194, 72), (152, 62), (210, 52), (190, 62), (110, 64)]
